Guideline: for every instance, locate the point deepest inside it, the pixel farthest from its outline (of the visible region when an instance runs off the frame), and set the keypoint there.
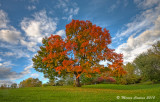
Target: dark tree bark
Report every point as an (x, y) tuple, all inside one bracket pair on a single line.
[(78, 82)]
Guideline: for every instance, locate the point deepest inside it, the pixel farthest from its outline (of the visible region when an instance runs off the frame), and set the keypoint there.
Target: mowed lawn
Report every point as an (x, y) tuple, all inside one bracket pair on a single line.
[(87, 93)]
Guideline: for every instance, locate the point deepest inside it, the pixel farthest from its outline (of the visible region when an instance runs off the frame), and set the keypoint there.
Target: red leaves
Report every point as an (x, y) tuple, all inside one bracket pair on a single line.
[(96, 70), (75, 45), (85, 44), (78, 69), (44, 59), (55, 52), (69, 45), (58, 68), (67, 63)]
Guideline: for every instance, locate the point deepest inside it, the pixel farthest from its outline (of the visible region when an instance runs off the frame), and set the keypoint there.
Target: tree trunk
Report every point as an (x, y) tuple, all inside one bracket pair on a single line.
[(78, 82)]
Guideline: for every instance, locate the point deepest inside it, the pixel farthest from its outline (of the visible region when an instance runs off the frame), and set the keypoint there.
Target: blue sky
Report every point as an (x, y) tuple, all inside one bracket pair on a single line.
[(133, 24)]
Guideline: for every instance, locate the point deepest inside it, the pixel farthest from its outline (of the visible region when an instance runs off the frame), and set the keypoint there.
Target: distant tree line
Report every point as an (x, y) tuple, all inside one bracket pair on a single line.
[(145, 67), (70, 80), (31, 82), (5, 86)]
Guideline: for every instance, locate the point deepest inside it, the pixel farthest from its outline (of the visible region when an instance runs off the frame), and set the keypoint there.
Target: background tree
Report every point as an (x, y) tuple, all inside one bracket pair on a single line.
[(51, 82), (69, 80), (132, 76), (155, 50), (14, 85), (31, 82), (3, 86), (60, 82), (149, 63), (84, 47), (88, 80)]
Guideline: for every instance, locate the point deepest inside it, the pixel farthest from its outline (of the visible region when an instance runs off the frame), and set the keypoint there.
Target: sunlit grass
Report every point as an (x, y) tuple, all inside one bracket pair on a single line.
[(88, 93)]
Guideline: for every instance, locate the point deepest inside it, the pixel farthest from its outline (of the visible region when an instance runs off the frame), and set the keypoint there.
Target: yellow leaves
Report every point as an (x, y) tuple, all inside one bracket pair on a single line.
[(69, 69), (88, 75)]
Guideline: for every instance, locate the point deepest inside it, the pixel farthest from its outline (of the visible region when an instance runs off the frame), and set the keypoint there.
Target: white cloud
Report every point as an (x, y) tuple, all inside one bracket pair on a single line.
[(37, 28), (7, 82), (27, 70), (31, 46), (141, 43), (70, 17), (72, 12), (66, 9), (61, 3), (32, 7), (6, 64), (8, 33), (64, 18), (20, 53), (117, 5), (10, 36), (125, 3), (105, 63), (61, 33), (6, 73), (35, 75), (40, 26), (0, 59), (31, 28), (16, 51), (3, 19), (69, 8), (114, 6), (157, 24), (144, 4), (8, 53), (34, 1), (144, 20)]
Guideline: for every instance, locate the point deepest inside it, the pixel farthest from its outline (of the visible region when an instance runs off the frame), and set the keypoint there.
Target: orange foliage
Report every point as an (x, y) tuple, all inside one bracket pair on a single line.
[(88, 43)]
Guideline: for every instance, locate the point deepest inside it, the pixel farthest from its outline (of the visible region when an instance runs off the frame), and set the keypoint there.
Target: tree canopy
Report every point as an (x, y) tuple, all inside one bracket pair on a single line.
[(80, 52), (31, 82), (149, 63)]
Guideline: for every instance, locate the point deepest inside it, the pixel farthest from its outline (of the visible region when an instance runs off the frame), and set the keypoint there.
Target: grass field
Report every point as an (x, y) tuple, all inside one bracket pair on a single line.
[(88, 93)]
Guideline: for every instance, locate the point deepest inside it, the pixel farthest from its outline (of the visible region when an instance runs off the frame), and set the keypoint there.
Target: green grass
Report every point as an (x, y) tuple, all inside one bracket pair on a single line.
[(88, 93)]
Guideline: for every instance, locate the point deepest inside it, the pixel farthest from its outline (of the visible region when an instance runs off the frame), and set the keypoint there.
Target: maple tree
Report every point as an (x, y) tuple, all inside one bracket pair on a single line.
[(80, 52)]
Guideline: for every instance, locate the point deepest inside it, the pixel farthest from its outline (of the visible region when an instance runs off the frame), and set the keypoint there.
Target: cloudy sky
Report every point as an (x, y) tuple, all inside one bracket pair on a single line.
[(134, 26)]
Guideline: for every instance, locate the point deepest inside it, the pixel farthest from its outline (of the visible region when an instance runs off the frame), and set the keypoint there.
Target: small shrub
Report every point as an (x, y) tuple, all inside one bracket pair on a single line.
[(110, 80)]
